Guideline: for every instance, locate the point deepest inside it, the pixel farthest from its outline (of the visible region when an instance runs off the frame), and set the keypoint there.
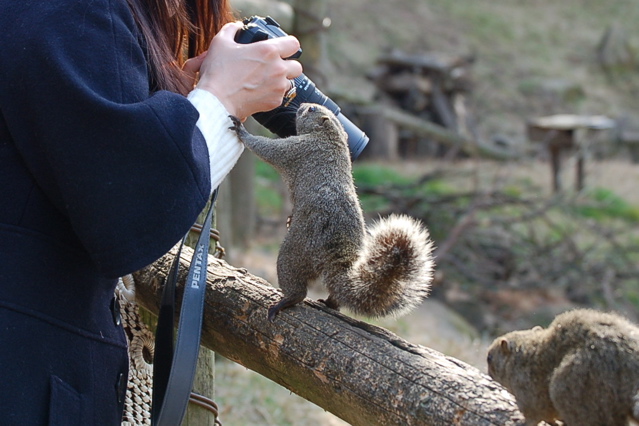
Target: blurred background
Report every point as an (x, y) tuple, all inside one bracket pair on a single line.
[(510, 128)]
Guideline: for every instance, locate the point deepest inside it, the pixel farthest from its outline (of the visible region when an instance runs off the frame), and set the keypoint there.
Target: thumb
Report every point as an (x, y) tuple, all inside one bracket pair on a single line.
[(192, 66)]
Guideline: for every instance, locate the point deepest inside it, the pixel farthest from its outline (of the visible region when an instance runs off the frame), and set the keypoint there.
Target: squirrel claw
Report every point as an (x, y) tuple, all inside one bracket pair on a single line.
[(272, 313), (237, 124)]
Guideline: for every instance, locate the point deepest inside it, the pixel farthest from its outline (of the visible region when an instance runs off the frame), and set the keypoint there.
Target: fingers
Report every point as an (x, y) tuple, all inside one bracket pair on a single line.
[(287, 46), (274, 51), (293, 69)]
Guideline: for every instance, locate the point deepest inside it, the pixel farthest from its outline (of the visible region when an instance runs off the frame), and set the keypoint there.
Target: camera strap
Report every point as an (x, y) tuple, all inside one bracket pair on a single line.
[(174, 367)]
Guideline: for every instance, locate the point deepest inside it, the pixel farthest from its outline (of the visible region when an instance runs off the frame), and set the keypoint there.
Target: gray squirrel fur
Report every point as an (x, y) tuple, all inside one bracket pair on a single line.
[(385, 269), (583, 369)]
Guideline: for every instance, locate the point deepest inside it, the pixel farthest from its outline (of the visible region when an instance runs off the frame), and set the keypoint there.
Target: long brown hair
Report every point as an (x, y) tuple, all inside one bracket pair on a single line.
[(175, 30)]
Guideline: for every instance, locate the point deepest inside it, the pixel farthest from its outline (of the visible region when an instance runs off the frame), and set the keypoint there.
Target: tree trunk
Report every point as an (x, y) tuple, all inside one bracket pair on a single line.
[(359, 372), (309, 27)]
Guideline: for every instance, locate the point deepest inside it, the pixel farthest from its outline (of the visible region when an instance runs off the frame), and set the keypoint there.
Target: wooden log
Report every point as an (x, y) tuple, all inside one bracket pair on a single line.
[(436, 62), (439, 133), (443, 107), (403, 82), (359, 372)]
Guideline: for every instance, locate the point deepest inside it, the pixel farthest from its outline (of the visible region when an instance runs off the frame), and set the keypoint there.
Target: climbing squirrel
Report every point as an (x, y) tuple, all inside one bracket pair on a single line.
[(386, 269), (583, 369)]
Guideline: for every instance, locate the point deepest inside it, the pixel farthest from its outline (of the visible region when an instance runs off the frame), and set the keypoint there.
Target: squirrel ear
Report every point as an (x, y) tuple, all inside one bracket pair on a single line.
[(505, 346), (325, 118), (537, 328)]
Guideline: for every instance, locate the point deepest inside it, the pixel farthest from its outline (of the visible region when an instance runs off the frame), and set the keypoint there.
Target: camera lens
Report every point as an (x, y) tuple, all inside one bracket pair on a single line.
[(281, 120), (357, 139)]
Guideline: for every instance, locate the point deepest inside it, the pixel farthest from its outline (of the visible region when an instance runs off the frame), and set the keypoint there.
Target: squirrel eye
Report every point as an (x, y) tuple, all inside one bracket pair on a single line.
[(312, 109)]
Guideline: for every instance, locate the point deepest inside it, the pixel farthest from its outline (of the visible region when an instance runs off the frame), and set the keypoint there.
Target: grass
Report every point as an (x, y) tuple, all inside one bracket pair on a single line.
[(608, 205), (247, 398)]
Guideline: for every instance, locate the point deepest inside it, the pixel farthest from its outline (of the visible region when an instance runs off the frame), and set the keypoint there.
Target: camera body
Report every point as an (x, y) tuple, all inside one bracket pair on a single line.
[(281, 120)]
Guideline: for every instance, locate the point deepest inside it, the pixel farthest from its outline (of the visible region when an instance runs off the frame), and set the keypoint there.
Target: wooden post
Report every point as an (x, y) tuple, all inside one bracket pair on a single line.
[(384, 137), (359, 372), (203, 384), (559, 142)]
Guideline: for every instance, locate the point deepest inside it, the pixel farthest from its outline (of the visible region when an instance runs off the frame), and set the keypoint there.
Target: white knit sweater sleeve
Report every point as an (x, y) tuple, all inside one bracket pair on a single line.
[(224, 146)]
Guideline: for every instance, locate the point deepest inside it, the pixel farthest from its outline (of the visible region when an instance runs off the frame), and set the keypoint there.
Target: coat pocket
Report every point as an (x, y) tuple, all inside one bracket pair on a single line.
[(65, 406)]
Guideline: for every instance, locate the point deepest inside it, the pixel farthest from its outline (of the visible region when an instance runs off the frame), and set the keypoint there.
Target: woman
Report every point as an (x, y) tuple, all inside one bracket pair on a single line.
[(107, 155)]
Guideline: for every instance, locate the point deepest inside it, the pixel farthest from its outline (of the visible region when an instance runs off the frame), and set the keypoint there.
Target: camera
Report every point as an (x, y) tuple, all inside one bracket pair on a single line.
[(281, 120)]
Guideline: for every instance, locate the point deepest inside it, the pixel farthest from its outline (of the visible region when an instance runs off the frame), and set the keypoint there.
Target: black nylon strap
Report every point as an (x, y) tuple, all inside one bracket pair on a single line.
[(174, 370)]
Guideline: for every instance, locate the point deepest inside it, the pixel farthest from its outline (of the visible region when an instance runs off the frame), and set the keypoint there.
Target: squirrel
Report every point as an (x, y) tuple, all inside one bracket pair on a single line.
[(385, 269), (582, 370)]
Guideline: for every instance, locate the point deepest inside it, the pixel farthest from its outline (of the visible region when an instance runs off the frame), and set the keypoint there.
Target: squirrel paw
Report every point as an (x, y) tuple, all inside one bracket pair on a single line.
[(285, 303), (237, 124), (330, 303), (272, 312)]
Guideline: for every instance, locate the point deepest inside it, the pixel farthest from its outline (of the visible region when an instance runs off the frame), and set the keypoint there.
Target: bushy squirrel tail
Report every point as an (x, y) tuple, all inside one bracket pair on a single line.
[(394, 269)]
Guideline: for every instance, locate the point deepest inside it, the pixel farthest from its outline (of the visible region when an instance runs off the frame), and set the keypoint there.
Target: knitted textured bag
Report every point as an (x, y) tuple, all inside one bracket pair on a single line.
[(137, 405)]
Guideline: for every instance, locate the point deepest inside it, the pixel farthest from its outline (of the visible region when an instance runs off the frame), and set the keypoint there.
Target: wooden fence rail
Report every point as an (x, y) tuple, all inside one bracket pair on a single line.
[(359, 372)]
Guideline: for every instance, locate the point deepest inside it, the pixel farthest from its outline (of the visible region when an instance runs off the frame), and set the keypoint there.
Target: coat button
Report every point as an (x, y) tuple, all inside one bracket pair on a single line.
[(115, 311), (120, 387)]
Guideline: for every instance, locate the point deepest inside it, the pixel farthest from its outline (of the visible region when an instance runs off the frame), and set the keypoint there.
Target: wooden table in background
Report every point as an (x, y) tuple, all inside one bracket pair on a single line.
[(565, 133)]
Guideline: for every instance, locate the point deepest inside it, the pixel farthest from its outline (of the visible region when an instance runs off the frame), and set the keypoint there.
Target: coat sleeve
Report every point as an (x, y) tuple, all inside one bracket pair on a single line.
[(128, 167)]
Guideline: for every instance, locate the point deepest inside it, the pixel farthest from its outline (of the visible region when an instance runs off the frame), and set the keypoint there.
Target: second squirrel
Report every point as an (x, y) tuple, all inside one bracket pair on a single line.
[(386, 269), (583, 369)]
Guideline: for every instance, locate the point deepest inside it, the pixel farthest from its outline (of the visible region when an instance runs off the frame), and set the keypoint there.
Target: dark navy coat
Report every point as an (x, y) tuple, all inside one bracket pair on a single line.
[(99, 176)]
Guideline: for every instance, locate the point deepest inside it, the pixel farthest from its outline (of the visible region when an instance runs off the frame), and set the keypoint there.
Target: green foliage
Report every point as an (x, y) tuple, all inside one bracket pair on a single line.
[(379, 187), (266, 171), (268, 195), (605, 205), (377, 175), (514, 235)]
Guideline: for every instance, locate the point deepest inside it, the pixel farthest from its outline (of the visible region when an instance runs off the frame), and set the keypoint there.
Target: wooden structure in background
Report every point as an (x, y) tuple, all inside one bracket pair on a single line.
[(563, 134), (630, 140), (431, 87)]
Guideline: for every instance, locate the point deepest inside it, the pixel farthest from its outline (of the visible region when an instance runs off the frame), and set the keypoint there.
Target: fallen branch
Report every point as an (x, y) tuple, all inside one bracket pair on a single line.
[(361, 373), (440, 134)]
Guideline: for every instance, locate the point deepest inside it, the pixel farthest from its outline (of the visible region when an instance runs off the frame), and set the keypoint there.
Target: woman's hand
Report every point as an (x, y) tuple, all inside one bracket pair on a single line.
[(248, 78)]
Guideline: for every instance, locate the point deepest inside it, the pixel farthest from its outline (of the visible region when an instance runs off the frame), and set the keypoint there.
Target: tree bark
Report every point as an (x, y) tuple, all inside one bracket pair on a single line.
[(359, 372)]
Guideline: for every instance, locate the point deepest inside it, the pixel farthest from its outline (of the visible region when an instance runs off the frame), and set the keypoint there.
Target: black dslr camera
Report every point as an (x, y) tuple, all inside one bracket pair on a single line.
[(281, 120)]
